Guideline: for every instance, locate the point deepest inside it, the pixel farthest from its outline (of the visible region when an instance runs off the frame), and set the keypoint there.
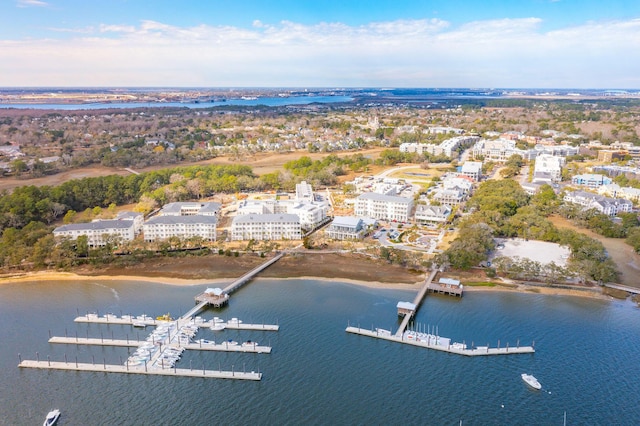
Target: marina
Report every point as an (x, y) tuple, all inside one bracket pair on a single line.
[(431, 339), (314, 359), (161, 350)]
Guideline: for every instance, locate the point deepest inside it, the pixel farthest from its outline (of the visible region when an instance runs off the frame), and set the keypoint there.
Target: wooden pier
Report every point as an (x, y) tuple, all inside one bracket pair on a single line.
[(144, 369), (408, 312), (438, 343), (220, 297)]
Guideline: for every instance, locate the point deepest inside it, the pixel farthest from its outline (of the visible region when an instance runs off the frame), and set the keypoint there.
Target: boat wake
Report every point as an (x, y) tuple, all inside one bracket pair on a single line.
[(116, 295)]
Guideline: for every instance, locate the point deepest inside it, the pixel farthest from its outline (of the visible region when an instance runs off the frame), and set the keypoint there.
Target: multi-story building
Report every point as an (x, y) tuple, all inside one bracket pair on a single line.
[(261, 227), (304, 191), (311, 214), (499, 150), (190, 208), (447, 147), (430, 215), (385, 207), (99, 232), (591, 180), (472, 169), (551, 164), (183, 227), (137, 218), (616, 191), (346, 228), (589, 200)]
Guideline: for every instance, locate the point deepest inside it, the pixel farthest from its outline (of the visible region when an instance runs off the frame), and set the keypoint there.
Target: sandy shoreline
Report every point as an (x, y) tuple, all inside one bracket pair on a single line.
[(69, 276)]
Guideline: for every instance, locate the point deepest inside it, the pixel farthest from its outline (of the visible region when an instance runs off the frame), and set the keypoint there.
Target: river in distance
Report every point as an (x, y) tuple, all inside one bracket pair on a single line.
[(586, 358), (267, 101)]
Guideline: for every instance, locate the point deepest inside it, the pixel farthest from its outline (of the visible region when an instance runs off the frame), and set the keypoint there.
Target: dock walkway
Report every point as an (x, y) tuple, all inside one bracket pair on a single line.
[(416, 302), (111, 368), (441, 344)]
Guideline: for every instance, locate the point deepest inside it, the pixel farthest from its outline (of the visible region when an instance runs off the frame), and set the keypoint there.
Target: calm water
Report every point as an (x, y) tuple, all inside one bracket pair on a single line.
[(293, 100), (586, 359)]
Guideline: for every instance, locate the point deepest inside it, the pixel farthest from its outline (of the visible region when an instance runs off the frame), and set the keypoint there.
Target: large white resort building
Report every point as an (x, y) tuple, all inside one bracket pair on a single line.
[(264, 227), (311, 212), (447, 147), (385, 207), (183, 220), (99, 232)]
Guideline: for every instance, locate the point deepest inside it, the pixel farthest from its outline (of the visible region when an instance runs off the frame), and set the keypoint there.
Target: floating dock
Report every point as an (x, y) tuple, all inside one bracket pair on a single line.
[(126, 369), (439, 343), (223, 346)]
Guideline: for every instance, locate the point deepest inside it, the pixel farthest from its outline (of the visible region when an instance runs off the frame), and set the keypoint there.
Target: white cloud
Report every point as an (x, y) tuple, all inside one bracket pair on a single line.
[(427, 53), (30, 3)]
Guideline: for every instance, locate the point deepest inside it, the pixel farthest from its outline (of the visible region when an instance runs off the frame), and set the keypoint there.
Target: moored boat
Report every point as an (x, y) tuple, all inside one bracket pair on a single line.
[(51, 418), (531, 381)]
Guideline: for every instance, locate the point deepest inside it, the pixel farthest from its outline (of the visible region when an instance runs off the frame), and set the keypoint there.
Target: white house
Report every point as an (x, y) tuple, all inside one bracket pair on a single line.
[(472, 169), (163, 227), (262, 227), (430, 215), (346, 228), (385, 207)]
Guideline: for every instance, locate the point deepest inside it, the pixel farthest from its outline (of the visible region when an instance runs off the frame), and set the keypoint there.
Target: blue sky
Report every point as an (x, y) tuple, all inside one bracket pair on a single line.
[(328, 43)]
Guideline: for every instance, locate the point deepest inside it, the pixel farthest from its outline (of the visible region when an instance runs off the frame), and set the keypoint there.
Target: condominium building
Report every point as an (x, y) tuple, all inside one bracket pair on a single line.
[(617, 191), (311, 214), (263, 227), (385, 207), (304, 191), (499, 150), (183, 227), (99, 232), (591, 180), (190, 208), (551, 164), (608, 206), (446, 147)]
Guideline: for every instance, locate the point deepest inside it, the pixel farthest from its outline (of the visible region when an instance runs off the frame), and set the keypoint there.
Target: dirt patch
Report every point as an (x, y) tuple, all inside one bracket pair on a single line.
[(327, 265), (625, 258)]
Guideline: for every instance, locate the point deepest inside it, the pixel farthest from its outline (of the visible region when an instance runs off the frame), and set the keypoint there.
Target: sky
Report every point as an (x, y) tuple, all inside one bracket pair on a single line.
[(320, 43)]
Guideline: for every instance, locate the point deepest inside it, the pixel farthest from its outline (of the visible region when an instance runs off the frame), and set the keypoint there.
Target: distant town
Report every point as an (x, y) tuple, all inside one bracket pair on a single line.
[(466, 180)]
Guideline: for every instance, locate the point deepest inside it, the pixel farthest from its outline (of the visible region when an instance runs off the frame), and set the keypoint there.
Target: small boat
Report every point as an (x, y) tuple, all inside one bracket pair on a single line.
[(531, 381), (165, 317), (140, 324), (218, 326), (231, 342), (51, 418), (250, 344)]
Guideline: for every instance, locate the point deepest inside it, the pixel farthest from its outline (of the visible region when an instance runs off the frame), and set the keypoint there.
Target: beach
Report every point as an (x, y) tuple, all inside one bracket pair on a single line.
[(350, 268)]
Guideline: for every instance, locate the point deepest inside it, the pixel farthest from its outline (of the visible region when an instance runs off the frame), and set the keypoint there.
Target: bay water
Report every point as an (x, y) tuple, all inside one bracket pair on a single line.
[(587, 354)]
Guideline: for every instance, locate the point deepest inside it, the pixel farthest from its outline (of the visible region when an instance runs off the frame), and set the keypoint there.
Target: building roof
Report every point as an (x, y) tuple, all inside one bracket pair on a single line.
[(261, 218), (381, 197), (204, 207), (174, 220), (346, 221), (406, 305), (99, 225), (128, 215)]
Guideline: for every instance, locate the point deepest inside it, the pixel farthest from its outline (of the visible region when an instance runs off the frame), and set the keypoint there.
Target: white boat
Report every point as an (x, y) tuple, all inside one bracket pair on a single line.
[(531, 381), (51, 418), (217, 326), (140, 324)]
